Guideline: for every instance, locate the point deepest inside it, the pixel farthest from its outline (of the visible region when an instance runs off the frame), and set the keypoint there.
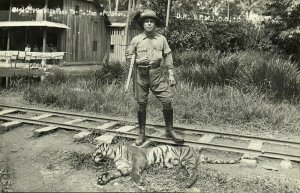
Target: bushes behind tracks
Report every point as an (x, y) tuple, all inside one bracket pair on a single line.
[(270, 74)]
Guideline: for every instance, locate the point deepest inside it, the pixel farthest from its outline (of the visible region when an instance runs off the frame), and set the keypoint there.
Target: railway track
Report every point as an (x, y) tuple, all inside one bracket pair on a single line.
[(86, 125)]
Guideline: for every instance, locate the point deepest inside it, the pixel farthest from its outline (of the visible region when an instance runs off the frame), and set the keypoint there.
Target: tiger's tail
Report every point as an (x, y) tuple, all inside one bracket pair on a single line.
[(205, 159)]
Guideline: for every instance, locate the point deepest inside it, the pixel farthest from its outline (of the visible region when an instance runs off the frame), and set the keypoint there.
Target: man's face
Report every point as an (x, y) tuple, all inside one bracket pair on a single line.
[(149, 25)]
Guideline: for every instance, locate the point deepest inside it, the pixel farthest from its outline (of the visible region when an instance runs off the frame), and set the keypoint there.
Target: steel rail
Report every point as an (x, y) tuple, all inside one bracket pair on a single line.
[(63, 113), (268, 154), (44, 123), (198, 131)]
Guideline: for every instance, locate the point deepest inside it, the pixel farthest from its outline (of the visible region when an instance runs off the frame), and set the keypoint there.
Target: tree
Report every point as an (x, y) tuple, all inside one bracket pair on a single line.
[(208, 7), (284, 25), (251, 6), (231, 8)]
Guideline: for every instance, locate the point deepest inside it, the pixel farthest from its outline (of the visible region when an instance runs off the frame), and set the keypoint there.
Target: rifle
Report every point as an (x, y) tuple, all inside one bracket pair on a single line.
[(129, 73)]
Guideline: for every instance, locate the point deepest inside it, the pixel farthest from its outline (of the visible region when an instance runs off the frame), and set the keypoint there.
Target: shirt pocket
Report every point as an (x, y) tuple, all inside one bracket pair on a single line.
[(141, 52)]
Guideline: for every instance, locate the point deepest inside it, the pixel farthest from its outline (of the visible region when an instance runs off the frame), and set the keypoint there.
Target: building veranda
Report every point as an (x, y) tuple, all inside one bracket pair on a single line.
[(73, 30)]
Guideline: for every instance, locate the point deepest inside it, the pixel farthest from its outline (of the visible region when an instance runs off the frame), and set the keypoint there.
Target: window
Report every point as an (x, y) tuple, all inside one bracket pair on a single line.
[(112, 48), (95, 46), (76, 9)]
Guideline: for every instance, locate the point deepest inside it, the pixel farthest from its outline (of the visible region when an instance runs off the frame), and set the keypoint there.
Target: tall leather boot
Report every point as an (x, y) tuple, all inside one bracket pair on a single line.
[(142, 124), (170, 133)]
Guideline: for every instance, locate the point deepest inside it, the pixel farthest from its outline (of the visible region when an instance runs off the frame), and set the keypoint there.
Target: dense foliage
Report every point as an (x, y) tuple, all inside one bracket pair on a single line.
[(269, 74), (224, 36), (284, 26)]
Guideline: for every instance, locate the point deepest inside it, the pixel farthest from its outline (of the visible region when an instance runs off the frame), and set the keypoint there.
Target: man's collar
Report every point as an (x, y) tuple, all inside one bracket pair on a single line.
[(144, 36)]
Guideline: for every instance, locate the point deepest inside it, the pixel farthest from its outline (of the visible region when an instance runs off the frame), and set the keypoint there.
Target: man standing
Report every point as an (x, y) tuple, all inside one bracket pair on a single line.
[(151, 50)]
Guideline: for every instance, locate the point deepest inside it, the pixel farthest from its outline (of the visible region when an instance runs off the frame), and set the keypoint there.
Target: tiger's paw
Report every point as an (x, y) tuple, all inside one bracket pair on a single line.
[(137, 179), (103, 179), (140, 187), (191, 181)]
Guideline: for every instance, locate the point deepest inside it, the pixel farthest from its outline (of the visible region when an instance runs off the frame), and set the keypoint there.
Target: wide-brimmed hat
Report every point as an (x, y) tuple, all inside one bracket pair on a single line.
[(149, 14)]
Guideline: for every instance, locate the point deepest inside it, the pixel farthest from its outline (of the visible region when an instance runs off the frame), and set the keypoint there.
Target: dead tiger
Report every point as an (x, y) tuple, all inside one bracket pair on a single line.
[(133, 160)]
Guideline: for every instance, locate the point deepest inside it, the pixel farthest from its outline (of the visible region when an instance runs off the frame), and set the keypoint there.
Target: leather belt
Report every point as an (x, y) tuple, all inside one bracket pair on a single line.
[(150, 66)]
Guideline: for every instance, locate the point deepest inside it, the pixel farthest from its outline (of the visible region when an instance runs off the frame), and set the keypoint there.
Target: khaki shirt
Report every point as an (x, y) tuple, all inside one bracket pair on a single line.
[(155, 48)]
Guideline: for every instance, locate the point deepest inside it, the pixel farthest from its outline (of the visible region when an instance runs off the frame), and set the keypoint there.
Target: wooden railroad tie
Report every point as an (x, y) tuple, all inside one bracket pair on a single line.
[(250, 159), (7, 111), (84, 134), (255, 145), (9, 125), (13, 124), (47, 129), (107, 138), (206, 138)]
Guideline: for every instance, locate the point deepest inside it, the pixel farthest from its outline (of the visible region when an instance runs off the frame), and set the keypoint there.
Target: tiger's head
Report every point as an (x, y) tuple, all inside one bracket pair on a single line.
[(100, 152)]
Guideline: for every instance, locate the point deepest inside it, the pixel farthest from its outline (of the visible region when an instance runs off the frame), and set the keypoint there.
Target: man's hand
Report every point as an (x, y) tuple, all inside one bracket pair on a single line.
[(172, 81), (144, 60)]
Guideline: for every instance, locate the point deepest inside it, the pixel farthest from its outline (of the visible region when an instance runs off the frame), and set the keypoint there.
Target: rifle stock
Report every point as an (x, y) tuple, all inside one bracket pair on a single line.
[(129, 73)]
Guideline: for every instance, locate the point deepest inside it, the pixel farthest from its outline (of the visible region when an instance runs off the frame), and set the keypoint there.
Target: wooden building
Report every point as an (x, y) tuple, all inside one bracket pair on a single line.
[(118, 35), (77, 27)]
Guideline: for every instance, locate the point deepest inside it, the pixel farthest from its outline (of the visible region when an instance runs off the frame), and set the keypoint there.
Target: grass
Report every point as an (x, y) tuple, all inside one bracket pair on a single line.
[(216, 105), (80, 160), (5, 183), (211, 180)]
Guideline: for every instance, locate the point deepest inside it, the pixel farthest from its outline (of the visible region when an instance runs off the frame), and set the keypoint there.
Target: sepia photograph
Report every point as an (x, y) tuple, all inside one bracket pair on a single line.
[(150, 96)]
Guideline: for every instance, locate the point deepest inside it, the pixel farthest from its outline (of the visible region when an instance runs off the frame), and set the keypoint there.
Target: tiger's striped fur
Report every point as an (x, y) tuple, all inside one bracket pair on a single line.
[(132, 160)]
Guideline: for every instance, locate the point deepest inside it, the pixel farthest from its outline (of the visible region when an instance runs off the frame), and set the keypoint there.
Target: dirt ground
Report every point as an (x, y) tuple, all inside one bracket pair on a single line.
[(55, 163)]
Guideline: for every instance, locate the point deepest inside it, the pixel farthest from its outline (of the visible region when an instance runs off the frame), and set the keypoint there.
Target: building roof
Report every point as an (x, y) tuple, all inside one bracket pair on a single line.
[(120, 17), (32, 24)]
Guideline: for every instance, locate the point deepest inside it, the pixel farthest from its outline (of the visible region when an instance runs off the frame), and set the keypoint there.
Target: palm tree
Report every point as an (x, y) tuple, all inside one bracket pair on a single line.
[(250, 6)]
